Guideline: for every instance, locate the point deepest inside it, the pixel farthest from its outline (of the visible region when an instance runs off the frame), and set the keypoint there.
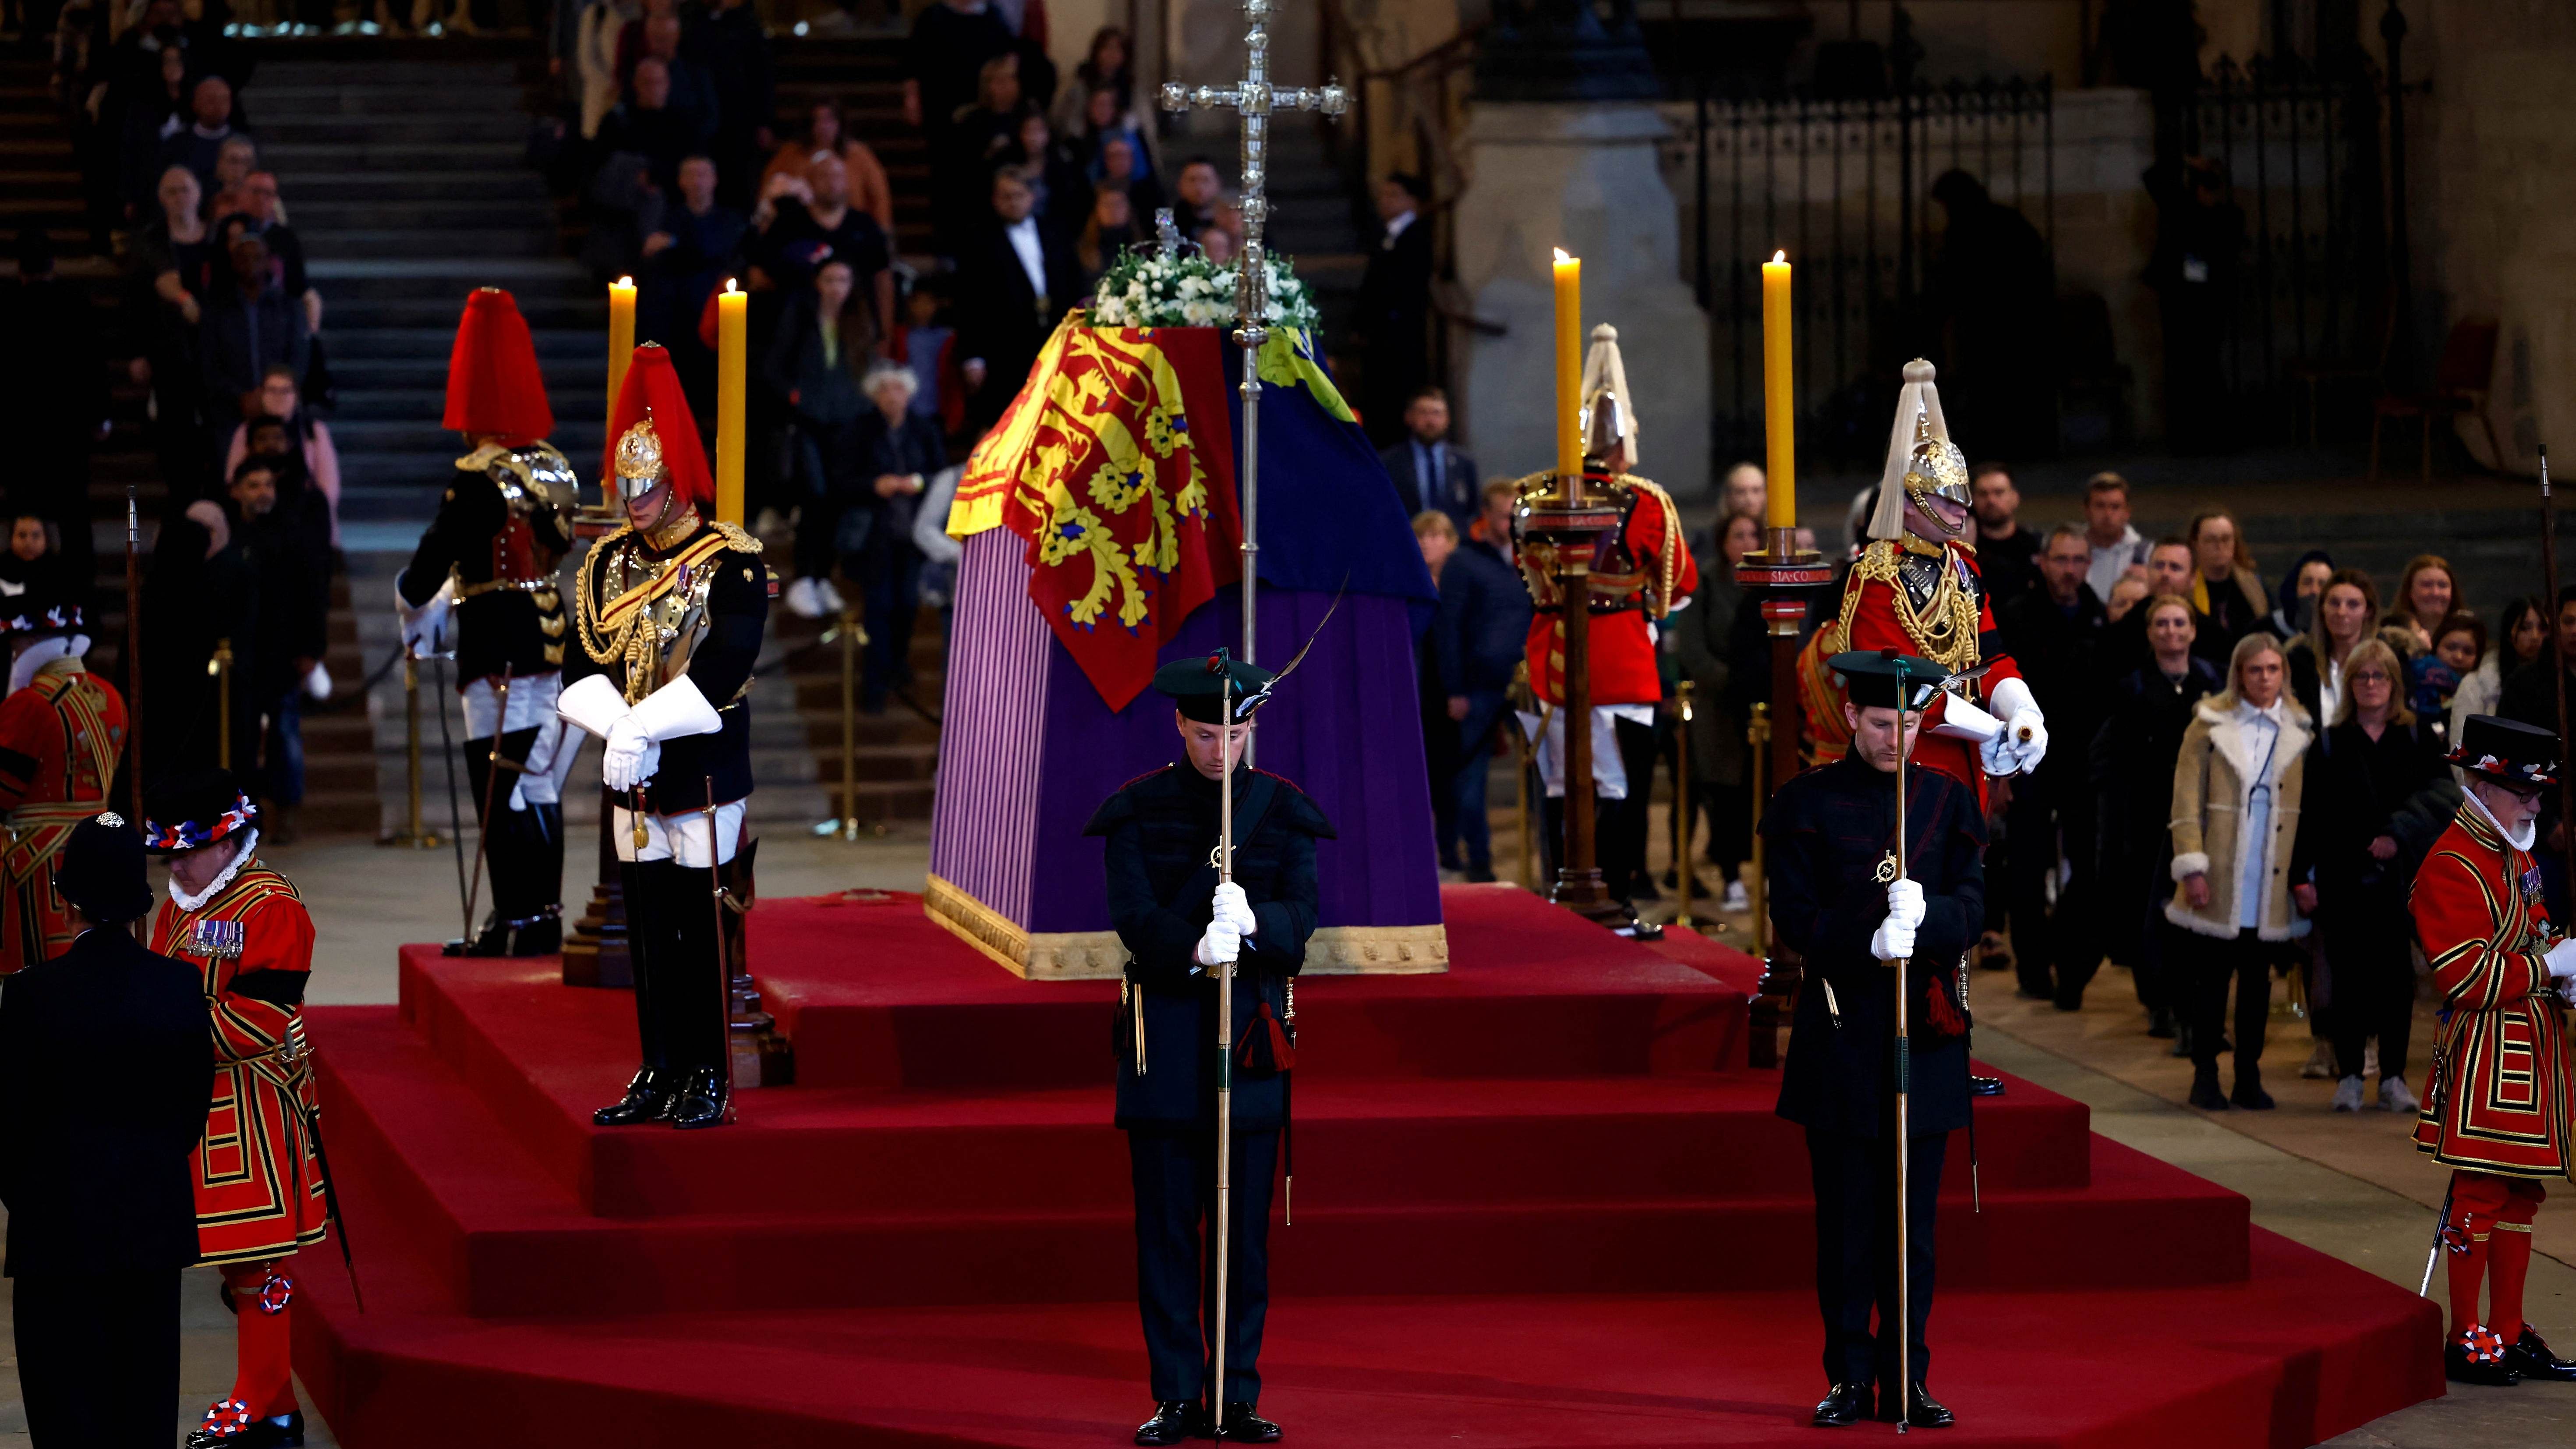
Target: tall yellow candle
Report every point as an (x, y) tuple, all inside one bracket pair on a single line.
[(621, 341), (733, 322), (1569, 363), (1779, 395)]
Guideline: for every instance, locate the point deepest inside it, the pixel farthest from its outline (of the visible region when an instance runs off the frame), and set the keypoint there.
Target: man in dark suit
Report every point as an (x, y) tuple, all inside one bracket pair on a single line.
[(1477, 641), (1178, 923), (1429, 474), (105, 1070), (1391, 323), (1013, 282), (2057, 633), (1838, 901)]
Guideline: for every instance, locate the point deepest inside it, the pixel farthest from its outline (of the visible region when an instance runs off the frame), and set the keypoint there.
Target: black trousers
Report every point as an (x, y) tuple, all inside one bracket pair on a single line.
[(1856, 1250), (98, 1358), (1175, 1179), (2055, 952), (680, 1006), (2373, 970), (2209, 963), (523, 850)]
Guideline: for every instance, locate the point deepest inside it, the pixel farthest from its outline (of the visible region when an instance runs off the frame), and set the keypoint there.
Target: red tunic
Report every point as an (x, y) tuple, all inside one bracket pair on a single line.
[(1622, 648), (259, 1180), (2500, 1087), (60, 738), (1870, 619)]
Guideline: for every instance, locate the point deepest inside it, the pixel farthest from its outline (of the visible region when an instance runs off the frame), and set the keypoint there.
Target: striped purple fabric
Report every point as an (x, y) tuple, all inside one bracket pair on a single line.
[(984, 825)]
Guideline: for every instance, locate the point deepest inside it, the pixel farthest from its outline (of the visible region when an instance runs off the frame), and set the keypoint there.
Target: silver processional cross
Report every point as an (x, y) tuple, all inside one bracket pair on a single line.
[(1253, 99)]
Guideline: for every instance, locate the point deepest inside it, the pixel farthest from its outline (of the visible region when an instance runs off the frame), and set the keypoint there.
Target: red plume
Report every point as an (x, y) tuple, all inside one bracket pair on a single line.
[(493, 385), (653, 384)]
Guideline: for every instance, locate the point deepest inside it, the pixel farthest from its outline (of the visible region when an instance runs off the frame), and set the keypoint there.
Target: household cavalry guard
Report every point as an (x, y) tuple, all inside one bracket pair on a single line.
[(1640, 571), (2501, 1097), (259, 1176), (62, 730), (491, 556), (1915, 588), (1160, 833), (669, 611)]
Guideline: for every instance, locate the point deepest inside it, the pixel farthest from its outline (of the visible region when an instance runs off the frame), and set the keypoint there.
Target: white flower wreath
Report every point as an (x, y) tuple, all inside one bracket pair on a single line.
[(1144, 288)]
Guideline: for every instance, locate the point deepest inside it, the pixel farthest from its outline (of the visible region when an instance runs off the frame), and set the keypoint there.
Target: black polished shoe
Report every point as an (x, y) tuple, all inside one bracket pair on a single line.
[(2160, 1023), (1246, 1427), (2204, 1090), (228, 1426), (1923, 1412), (2475, 1356), (1174, 1422), (1843, 1406), (492, 940), (2249, 1093), (647, 1099), (1985, 1086), (540, 937), (703, 1100), (2531, 1358)]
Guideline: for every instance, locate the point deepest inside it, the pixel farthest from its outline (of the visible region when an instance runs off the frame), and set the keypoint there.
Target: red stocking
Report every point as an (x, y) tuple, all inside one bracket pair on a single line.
[(263, 1373), (2510, 1252), (2468, 1242), (2467, 1265)]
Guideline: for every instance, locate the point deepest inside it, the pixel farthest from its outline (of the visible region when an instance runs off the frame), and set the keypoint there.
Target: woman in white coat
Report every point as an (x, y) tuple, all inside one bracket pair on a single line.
[(2240, 882)]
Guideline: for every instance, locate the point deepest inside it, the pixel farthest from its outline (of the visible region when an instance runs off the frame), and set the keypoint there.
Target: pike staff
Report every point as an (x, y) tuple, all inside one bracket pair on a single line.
[(2549, 574), (1224, 1016), (134, 655), (1904, 1326)]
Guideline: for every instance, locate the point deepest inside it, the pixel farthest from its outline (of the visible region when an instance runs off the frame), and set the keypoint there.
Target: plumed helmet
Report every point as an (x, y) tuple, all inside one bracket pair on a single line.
[(494, 388), (653, 436), (1934, 467)]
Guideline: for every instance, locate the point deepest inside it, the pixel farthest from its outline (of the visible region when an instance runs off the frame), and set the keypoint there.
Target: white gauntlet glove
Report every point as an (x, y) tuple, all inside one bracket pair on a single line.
[(2562, 962), (1234, 908), (631, 758), (1221, 943), (1895, 935), (424, 629), (2009, 753)]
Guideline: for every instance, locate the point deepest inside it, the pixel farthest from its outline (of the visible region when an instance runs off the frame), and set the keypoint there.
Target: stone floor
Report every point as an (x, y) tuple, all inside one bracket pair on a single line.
[(2346, 1185)]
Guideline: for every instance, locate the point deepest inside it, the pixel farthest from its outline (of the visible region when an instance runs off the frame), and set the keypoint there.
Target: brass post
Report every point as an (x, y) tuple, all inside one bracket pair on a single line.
[(1757, 735), (1682, 822), (412, 834), (1527, 754), (849, 724), (221, 667)]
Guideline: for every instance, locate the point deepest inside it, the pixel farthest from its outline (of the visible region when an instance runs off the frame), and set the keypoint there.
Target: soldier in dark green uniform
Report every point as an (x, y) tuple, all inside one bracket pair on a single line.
[(1178, 923), (1837, 899)]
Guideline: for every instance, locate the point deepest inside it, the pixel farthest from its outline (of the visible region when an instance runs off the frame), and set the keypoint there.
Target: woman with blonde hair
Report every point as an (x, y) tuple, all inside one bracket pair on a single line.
[(2370, 819), (2236, 802)]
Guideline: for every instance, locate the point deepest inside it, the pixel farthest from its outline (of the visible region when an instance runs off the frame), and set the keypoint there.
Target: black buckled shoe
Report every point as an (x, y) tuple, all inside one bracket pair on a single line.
[(538, 936), (2477, 1356), (702, 1100), (1843, 1406), (1246, 1427), (1985, 1086), (647, 1099), (1175, 1421), (492, 940), (228, 1425), (1923, 1412), (2531, 1358)]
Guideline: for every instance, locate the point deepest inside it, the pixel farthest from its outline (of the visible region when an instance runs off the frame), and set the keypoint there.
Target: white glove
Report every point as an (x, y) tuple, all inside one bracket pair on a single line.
[(424, 628), (2562, 961), (630, 758), (1234, 908), (592, 703), (676, 709), (2021, 715), (1895, 935), (318, 683), (1219, 944)]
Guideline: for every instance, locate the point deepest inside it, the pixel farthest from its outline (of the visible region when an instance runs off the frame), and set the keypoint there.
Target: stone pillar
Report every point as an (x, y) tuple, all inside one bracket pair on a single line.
[(1583, 176)]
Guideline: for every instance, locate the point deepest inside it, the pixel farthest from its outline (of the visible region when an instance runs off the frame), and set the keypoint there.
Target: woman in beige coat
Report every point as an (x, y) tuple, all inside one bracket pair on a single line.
[(2238, 884)]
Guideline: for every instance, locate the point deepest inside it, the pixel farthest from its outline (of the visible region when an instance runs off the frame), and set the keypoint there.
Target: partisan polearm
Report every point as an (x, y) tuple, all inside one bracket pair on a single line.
[(1224, 1024), (1904, 1066)]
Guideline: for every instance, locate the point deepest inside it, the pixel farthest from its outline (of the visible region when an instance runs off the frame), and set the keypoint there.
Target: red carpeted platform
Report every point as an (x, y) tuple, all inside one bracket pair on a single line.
[(1540, 1202)]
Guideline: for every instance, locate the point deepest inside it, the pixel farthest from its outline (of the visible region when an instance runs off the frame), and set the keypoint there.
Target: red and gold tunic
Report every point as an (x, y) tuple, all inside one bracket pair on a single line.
[(2500, 1087), (1639, 571), (259, 1178), (60, 738), (1926, 600)]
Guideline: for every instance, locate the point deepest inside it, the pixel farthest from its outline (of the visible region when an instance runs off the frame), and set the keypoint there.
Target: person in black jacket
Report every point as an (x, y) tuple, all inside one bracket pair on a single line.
[(1477, 642), (1390, 324), (2376, 797), (1013, 281), (1837, 899), (2132, 770), (1178, 924), (728, 41), (2056, 633), (814, 363), (105, 1070), (895, 453)]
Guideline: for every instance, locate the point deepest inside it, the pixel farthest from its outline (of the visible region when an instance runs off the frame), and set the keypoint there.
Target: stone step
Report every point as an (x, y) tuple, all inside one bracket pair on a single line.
[(283, 101), (290, 158), (437, 308), (323, 210), (328, 180), (534, 240), (452, 77), (371, 403), (439, 129)]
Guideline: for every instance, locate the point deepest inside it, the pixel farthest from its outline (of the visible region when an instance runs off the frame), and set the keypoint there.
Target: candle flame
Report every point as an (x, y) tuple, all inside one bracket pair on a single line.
[(729, 286), (626, 281), (1561, 256), (1781, 257)]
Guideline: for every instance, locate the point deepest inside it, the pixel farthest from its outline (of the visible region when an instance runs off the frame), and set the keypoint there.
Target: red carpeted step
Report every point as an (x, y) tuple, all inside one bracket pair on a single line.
[(2304, 1349), (509, 1239), (1532, 991)]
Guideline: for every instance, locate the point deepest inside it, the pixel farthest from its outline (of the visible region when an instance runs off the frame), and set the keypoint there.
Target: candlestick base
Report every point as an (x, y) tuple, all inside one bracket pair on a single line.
[(1587, 893), (1784, 569)]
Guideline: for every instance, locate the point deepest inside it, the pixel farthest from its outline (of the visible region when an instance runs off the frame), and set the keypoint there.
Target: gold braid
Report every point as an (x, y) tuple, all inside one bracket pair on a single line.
[(1946, 629), (636, 647)]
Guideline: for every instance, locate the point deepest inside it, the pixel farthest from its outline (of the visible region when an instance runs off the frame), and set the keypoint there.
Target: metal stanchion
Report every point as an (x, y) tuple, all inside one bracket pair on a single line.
[(850, 641), (221, 667), (1527, 753), (1683, 876), (412, 834), (1757, 734)]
